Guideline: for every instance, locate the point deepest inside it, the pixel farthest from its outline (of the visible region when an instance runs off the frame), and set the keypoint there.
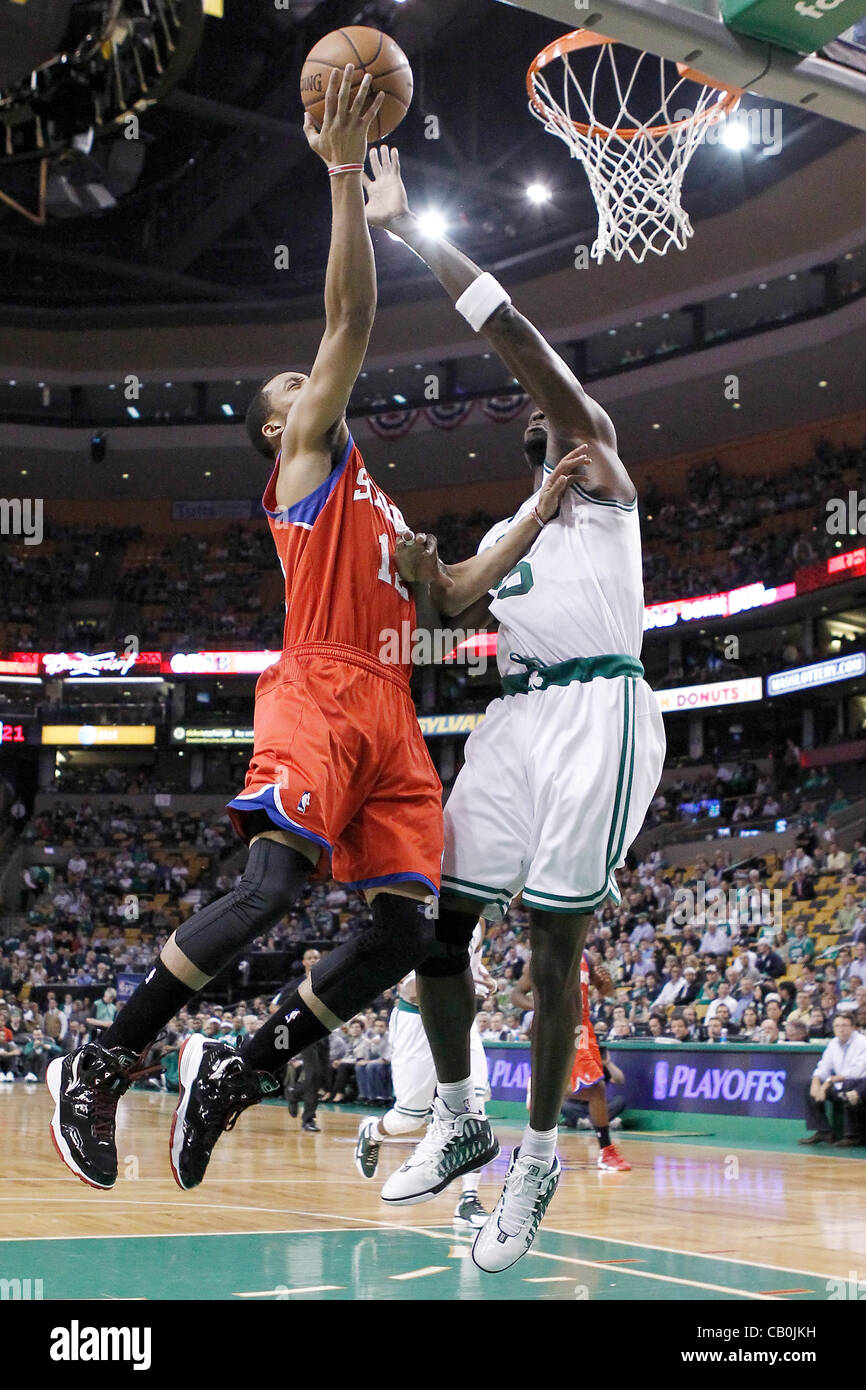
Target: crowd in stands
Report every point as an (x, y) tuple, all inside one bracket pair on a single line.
[(37, 579), (709, 953), (190, 591), (678, 971), (730, 529), (736, 791)]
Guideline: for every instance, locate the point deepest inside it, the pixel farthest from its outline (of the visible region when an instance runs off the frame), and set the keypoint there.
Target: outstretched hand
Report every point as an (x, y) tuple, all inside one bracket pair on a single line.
[(573, 468), (343, 136), (386, 193)]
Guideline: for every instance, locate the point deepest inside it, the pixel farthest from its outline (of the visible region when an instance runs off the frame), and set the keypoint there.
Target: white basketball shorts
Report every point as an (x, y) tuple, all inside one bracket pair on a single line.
[(554, 789), (413, 1073)]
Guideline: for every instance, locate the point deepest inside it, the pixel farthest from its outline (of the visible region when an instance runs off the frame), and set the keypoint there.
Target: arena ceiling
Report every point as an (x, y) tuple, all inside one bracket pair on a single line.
[(227, 176)]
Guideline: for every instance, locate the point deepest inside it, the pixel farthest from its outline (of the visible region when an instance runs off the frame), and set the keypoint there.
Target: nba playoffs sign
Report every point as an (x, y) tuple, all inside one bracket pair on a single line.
[(840, 668), (768, 1082), (509, 1070), (696, 697), (718, 1080)]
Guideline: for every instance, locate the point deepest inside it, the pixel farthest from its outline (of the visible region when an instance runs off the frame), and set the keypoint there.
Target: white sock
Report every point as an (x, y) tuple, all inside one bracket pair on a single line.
[(540, 1144), (469, 1184), (459, 1096)]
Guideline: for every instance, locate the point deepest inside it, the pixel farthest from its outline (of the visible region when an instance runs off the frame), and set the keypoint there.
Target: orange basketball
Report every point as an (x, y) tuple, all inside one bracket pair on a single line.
[(370, 51)]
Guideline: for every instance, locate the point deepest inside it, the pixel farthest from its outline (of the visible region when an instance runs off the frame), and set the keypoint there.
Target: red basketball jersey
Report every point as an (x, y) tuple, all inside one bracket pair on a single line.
[(336, 551)]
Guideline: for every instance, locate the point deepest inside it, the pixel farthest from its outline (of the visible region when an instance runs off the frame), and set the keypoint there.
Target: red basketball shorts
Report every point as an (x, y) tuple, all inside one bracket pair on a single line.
[(339, 759), (587, 1067)]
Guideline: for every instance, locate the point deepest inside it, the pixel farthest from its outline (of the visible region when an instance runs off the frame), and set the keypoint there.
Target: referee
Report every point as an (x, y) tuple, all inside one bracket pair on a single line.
[(315, 1059)]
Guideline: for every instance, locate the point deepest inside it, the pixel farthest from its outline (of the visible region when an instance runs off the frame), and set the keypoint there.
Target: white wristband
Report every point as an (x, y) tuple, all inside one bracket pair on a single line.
[(483, 297)]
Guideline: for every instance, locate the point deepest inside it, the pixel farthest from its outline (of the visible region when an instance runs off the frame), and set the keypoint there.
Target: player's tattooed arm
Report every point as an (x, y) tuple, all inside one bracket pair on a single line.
[(572, 414)]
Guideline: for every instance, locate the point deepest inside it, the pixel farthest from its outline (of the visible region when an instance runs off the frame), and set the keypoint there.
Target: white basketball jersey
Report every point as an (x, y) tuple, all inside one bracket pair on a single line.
[(578, 591)]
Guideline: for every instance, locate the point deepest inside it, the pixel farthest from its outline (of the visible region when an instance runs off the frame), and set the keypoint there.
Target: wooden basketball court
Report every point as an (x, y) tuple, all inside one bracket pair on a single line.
[(284, 1215)]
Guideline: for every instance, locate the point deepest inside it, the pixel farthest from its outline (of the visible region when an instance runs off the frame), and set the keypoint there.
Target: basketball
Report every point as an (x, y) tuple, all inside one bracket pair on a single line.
[(370, 51)]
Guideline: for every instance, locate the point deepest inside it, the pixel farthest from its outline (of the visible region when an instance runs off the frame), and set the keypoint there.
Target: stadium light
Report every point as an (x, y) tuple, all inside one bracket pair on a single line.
[(432, 223), (537, 193), (736, 135)]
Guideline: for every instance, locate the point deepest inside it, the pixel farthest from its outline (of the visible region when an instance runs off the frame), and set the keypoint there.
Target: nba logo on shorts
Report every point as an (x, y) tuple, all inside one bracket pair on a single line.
[(304, 803)]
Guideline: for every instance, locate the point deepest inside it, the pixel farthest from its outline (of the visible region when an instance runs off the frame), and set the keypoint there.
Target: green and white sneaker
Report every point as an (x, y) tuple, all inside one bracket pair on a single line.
[(367, 1148), (510, 1229), (469, 1211), (452, 1146)]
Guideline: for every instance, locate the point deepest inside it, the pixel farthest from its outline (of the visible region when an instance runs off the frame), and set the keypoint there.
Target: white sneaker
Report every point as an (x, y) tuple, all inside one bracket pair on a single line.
[(367, 1148), (616, 1124), (452, 1146), (510, 1229), (10, 1076), (470, 1212), (31, 1076)]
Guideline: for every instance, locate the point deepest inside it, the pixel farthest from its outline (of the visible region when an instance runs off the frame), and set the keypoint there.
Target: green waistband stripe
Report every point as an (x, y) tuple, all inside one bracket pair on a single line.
[(405, 1007), (579, 668)]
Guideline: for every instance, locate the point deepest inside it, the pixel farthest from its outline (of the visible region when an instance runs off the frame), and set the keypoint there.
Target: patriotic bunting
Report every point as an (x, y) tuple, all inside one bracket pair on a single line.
[(393, 424), (448, 417), (501, 409)]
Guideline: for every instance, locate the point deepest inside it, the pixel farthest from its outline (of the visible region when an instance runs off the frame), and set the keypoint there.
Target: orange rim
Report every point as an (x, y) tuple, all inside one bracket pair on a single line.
[(586, 38)]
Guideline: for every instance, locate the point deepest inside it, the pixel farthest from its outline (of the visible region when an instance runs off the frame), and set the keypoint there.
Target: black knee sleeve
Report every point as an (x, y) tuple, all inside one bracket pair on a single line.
[(401, 935), (449, 954), (273, 878)]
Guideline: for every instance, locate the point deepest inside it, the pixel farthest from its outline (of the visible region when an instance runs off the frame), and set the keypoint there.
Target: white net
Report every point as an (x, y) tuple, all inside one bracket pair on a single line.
[(635, 163)]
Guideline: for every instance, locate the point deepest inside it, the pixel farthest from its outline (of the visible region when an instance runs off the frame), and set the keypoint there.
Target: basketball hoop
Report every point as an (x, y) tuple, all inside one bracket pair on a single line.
[(635, 166)]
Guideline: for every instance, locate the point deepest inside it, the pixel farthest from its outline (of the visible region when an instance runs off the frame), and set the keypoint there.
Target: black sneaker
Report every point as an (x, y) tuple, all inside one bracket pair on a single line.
[(85, 1087), (311, 1127), (292, 1101), (216, 1084)]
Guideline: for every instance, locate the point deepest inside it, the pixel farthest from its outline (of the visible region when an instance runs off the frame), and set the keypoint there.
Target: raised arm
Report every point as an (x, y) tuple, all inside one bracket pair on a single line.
[(308, 438), (572, 415)]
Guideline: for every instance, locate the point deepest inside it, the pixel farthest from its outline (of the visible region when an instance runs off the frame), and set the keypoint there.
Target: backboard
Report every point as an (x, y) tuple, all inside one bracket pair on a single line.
[(692, 32)]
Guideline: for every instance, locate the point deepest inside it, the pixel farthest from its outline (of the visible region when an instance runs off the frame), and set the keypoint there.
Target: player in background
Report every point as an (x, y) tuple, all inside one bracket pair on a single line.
[(558, 777), (413, 1074), (587, 1069), (339, 770)]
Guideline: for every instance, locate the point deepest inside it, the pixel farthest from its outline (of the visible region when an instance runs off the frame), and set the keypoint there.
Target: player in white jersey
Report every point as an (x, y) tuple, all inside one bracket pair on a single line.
[(413, 1073), (559, 776)]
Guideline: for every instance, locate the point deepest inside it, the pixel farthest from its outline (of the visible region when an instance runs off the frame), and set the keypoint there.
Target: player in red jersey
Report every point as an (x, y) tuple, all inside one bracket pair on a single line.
[(588, 1073), (340, 772)]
